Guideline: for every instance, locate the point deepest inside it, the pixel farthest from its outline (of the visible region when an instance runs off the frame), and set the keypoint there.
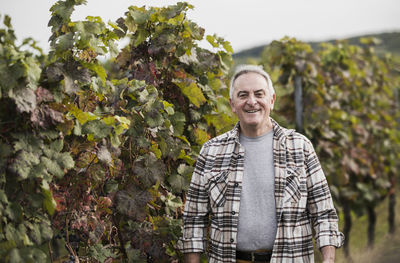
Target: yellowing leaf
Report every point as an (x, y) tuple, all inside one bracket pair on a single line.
[(156, 150), (212, 41), (193, 93), (109, 120), (169, 108), (77, 113), (227, 46), (98, 69), (201, 136), (90, 116), (125, 122)]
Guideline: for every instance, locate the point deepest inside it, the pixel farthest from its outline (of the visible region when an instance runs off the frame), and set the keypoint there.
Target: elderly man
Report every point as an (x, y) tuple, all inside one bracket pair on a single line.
[(258, 190)]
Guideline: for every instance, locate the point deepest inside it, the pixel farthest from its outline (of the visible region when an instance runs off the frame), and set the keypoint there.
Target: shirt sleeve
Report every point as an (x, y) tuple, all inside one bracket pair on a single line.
[(320, 205), (195, 216)]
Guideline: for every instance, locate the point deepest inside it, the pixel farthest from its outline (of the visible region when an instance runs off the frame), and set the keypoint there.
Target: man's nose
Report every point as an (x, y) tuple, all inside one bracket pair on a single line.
[(251, 100)]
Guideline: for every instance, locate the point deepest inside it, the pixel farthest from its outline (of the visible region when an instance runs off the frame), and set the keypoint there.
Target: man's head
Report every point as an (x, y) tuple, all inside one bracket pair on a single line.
[(252, 99), (243, 69)]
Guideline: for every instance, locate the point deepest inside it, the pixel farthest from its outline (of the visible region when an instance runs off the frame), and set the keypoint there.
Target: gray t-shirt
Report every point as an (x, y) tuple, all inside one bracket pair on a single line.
[(257, 215)]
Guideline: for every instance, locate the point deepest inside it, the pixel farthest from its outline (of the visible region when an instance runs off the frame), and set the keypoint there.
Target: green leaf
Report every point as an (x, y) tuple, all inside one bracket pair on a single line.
[(46, 230), (57, 146), (48, 202), (24, 163), (101, 253), (139, 15), (140, 37), (6, 246), (65, 160), (178, 183), (17, 234), (63, 9), (14, 256), (24, 98), (115, 141), (34, 233), (5, 152), (14, 212), (7, 21), (3, 197), (33, 70), (65, 42), (52, 166), (98, 128)]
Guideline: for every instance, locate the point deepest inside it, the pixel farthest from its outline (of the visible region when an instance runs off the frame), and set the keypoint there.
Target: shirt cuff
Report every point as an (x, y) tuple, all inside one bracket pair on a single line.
[(335, 239), (192, 245)]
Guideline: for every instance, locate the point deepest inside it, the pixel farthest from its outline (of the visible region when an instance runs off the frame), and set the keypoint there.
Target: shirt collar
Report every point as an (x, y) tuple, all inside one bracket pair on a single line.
[(279, 132)]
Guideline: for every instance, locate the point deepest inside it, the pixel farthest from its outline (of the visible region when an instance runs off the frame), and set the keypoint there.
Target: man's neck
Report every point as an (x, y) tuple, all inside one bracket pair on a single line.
[(255, 131)]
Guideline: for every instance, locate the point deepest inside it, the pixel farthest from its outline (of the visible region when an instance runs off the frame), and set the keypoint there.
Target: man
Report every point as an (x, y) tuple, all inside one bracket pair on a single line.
[(260, 186)]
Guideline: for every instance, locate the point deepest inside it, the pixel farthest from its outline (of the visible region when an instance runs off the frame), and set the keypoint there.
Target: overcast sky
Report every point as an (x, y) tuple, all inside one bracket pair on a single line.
[(245, 23)]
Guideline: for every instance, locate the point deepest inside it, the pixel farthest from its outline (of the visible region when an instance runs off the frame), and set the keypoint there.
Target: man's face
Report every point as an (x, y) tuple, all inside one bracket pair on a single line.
[(252, 102)]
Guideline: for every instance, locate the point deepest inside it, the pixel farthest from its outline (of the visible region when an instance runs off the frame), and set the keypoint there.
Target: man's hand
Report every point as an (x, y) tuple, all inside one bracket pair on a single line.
[(328, 254), (192, 257)]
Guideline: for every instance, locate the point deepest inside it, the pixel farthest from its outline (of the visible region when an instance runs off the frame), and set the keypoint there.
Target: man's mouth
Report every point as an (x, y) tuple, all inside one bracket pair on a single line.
[(251, 111)]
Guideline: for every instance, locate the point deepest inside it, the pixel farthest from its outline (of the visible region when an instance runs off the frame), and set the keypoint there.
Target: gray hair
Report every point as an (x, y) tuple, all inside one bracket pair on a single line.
[(243, 69)]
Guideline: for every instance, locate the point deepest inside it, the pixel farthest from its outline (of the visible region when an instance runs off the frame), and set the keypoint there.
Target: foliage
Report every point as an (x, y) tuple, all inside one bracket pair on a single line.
[(350, 112), (95, 159)]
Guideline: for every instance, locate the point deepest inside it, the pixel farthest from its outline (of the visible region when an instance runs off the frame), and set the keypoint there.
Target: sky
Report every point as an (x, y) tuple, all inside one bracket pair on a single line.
[(244, 23)]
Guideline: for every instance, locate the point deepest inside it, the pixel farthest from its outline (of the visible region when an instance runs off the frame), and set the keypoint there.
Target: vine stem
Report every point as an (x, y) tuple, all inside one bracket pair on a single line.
[(50, 252)]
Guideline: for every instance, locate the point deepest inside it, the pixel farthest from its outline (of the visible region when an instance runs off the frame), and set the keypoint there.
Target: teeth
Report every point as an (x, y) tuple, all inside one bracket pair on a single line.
[(252, 111)]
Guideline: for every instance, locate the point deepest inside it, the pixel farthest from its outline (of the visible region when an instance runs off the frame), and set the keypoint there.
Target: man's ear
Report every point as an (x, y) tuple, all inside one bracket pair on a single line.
[(273, 101), (232, 105)]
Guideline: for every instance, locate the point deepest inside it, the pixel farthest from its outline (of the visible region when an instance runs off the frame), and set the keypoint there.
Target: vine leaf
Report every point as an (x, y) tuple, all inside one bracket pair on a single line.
[(98, 128), (132, 202), (149, 170), (192, 92), (24, 98)]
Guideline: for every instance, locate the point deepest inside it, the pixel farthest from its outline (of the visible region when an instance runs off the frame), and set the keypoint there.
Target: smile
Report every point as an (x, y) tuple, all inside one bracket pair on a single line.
[(251, 111)]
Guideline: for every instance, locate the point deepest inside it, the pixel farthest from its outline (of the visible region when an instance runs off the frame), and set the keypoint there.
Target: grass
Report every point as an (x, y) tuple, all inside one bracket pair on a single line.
[(386, 248)]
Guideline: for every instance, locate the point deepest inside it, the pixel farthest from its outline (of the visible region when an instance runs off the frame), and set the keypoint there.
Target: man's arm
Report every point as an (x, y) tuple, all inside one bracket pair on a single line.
[(328, 254), (195, 215), (320, 205), (192, 257)]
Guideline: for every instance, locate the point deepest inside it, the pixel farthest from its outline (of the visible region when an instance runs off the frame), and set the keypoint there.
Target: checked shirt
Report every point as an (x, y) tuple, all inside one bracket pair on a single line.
[(302, 197)]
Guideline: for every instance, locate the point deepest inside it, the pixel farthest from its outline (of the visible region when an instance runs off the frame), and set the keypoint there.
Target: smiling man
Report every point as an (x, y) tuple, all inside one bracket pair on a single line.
[(258, 190)]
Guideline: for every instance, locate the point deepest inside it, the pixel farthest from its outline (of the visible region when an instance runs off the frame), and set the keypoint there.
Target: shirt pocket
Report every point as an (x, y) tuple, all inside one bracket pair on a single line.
[(217, 186), (295, 195)]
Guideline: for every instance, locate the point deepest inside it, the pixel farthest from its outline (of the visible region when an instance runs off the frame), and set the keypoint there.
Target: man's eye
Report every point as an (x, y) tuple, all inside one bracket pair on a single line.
[(259, 95)]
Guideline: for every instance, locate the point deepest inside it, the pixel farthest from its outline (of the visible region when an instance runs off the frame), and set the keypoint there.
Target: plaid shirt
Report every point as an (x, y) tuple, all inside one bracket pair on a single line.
[(302, 199)]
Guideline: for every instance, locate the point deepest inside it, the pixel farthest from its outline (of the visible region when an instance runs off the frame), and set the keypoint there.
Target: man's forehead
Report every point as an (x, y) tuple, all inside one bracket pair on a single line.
[(250, 76), (250, 80)]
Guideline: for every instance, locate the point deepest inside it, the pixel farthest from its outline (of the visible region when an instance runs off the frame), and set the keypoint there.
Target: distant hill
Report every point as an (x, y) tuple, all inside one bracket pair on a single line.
[(390, 43)]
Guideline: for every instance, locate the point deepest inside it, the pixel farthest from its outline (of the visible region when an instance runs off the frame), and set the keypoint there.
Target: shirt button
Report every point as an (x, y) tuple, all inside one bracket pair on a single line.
[(233, 212), (232, 240), (236, 184)]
